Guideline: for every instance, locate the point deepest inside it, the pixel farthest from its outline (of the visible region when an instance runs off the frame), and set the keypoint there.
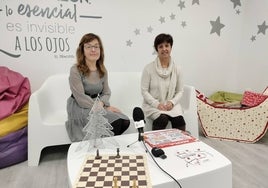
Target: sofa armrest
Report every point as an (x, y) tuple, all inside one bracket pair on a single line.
[(189, 106)]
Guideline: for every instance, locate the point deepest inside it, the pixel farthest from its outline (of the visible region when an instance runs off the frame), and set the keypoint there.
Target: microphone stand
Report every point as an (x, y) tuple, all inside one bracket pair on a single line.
[(140, 137), (132, 143)]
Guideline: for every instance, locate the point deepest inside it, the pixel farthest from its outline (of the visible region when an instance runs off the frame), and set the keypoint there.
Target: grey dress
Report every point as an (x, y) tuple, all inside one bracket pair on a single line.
[(84, 90)]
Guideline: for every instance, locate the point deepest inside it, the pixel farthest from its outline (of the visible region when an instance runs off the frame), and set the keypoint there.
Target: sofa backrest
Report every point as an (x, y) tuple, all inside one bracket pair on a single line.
[(125, 87), (126, 90)]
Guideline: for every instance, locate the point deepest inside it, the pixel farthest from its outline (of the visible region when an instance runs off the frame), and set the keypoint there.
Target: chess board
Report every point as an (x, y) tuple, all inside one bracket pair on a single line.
[(100, 173)]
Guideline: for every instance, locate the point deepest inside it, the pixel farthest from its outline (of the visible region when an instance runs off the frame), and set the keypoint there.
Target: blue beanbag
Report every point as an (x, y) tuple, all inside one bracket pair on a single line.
[(13, 148)]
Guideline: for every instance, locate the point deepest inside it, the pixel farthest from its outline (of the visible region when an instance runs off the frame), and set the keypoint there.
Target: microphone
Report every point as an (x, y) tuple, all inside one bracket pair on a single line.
[(139, 122), (157, 152)]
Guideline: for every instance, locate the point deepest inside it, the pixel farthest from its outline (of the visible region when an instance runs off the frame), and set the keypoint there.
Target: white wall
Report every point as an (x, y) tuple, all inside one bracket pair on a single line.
[(253, 65), (211, 62)]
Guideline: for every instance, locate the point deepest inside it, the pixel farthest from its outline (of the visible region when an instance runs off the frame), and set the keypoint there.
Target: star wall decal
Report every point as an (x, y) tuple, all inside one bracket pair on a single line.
[(172, 16), (129, 43), (149, 29), (195, 2), (137, 32), (236, 3), (162, 1), (181, 4), (216, 26), (162, 19), (253, 38), (237, 11), (262, 28), (183, 24)]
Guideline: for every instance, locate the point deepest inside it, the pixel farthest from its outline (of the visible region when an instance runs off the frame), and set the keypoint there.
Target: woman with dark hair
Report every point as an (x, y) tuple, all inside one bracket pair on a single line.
[(162, 87), (89, 79)]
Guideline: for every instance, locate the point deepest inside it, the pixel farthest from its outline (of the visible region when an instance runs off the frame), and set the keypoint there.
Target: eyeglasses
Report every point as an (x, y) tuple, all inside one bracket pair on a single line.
[(89, 47)]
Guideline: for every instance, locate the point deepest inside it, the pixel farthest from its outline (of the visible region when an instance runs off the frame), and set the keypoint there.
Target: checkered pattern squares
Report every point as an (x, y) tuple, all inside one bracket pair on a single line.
[(100, 173)]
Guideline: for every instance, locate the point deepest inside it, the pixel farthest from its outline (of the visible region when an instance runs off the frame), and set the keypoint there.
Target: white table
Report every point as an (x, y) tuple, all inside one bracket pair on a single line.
[(204, 167)]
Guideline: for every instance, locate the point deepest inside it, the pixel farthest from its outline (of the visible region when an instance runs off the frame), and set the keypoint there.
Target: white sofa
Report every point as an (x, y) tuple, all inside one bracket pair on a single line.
[(47, 109)]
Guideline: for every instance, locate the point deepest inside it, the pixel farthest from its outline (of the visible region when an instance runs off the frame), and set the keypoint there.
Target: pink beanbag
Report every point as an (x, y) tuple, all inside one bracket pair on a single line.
[(15, 91)]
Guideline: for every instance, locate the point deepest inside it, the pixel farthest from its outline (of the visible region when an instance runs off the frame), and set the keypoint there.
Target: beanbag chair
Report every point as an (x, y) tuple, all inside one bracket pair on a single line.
[(14, 122), (14, 91), (13, 148)]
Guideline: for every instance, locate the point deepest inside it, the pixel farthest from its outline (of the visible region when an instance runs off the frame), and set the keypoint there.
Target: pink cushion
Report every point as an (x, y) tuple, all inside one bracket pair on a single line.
[(251, 99)]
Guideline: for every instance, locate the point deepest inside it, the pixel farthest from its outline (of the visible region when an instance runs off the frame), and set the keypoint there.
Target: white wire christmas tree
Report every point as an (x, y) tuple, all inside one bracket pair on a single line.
[(96, 129)]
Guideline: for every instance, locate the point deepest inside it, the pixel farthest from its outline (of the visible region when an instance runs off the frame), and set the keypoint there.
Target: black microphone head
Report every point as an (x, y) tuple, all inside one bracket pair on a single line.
[(138, 114), (157, 152)]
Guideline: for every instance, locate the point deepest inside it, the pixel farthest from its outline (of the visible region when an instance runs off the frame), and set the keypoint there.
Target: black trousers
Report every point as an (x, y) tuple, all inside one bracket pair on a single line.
[(120, 126), (162, 121)]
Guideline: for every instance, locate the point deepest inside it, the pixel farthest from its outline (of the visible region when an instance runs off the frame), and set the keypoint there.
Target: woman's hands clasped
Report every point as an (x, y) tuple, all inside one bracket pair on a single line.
[(165, 107)]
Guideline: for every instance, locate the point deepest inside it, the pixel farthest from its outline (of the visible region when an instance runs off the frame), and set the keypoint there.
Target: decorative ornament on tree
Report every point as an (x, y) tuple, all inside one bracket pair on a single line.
[(97, 128)]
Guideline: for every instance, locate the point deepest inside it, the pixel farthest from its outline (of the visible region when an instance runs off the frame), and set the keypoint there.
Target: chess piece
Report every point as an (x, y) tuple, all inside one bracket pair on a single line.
[(134, 184), (115, 182), (118, 155), (98, 155)]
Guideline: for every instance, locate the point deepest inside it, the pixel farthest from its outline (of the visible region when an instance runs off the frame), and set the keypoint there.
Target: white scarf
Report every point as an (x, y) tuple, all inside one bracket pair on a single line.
[(171, 72)]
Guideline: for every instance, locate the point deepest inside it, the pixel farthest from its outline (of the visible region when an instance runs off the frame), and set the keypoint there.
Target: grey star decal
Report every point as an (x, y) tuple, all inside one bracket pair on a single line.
[(172, 16), (195, 2), (238, 11), (183, 24), (162, 1), (236, 3), (262, 28), (253, 38), (181, 4), (137, 31), (216, 26), (162, 19), (129, 43), (150, 29)]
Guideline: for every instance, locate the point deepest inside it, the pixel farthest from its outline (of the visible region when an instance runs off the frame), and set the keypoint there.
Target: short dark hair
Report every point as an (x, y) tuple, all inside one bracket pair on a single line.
[(159, 39)]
